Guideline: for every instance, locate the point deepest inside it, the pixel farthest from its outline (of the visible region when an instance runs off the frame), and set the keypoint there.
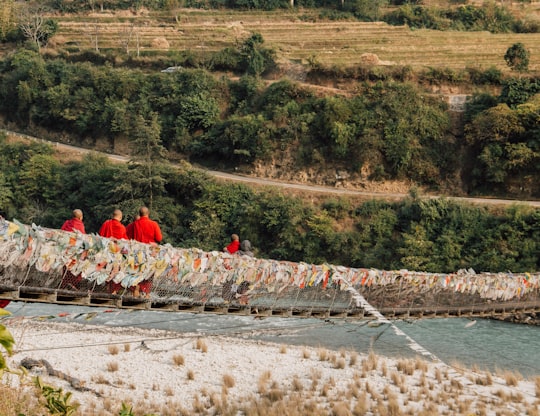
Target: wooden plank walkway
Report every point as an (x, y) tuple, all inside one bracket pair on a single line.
[(261, 307)]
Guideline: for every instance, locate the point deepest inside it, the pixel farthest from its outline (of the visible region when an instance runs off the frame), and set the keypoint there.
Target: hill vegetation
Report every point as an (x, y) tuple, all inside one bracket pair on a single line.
[(300, 93), (436, 235)]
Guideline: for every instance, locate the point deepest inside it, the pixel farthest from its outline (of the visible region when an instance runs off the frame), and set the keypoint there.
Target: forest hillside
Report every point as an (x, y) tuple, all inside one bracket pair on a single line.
[(418, 97)]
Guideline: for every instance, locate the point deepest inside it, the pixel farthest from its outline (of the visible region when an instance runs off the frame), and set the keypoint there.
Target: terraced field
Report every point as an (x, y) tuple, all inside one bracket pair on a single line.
[(338, 42)]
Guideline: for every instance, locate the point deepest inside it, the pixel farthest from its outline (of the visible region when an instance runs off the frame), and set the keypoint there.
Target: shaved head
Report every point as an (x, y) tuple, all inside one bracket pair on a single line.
[(144, 211), (77, 213), (117, 214)]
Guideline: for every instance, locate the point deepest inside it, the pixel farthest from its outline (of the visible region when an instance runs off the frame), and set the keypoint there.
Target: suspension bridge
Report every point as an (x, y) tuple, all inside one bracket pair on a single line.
[(52, 266)]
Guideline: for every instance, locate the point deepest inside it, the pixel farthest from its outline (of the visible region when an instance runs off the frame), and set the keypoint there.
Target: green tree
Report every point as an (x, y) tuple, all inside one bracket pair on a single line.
[(25, 77), (517, 91), (257, 59), (368, 10), (235, 140), (275, 224), (496, 124), (417, 249), (517, 57), (376, 222), (147, 156)]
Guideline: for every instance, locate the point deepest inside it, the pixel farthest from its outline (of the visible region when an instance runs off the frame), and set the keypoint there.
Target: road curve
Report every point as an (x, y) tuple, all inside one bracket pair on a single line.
[(290, 185)]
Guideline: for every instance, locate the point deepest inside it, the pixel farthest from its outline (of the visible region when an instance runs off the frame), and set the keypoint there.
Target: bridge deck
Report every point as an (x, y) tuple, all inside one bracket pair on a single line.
[(502, 310)]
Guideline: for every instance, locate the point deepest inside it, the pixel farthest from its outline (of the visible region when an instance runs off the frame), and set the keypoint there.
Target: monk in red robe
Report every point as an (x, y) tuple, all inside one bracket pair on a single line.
[(113, 228), (146, 231), (75, 223), (234, 245)]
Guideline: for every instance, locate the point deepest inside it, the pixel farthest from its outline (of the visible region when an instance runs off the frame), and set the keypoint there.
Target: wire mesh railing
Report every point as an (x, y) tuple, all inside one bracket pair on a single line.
[(49, 265)]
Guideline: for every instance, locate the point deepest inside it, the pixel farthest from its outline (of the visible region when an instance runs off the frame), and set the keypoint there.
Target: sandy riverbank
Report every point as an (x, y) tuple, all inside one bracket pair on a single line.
[(171, 373)]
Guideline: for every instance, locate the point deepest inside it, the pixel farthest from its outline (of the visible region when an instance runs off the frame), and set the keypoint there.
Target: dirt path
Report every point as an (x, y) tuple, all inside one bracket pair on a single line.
[(288, 185)]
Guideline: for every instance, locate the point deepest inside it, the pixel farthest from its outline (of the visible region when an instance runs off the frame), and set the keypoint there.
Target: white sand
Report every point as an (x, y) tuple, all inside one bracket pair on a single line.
[(148, 378)]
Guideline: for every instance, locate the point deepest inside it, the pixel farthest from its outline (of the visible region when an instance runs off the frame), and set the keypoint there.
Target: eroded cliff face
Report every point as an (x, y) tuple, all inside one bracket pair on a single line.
[(285, 168)]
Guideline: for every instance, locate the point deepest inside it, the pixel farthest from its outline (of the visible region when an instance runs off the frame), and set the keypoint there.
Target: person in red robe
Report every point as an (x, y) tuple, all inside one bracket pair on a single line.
[(113, 228), (234, 245), (4, 303), (75, 223), (146, 231)]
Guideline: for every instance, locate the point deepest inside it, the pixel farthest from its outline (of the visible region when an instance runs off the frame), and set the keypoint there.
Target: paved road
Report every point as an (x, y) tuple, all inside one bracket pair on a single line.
[(296, 186)]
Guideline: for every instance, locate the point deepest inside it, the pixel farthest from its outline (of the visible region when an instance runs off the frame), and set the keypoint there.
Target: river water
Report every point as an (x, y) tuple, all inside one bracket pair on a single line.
[(486, 344)]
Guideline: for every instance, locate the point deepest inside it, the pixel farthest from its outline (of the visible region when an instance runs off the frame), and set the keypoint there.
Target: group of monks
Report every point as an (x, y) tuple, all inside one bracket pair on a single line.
[(142, 229)]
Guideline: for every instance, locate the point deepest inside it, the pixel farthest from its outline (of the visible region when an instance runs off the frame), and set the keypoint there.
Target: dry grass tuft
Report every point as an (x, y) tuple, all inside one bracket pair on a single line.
[(275, 395), (228, 381), (438, 375), (396, 378), (198, 406), (489, 379), (190, 375), (323, 354), (108, 404), (370, 363), (456, 384), (353, 359), (483, 380), (113, 349), (421, 364), (517, 397), (362, 405), (464, 407), (341, 409), (296, 384), (127, 347), (100, 379), (503, 395), (19, 401), (533, 410), (511, 378), (316, 373), (325, 390), (340, 363), (178, 359), (422, 380), (384, 369), (537, 386), (406, 366), (393, 406), (306, 354), (169, 391), (262, 383), (112, 366), (201, 345), (283, 349)]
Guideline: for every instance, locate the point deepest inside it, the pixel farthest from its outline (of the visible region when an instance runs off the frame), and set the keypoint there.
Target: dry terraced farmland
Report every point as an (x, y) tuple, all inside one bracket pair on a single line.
[(339, 43)]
